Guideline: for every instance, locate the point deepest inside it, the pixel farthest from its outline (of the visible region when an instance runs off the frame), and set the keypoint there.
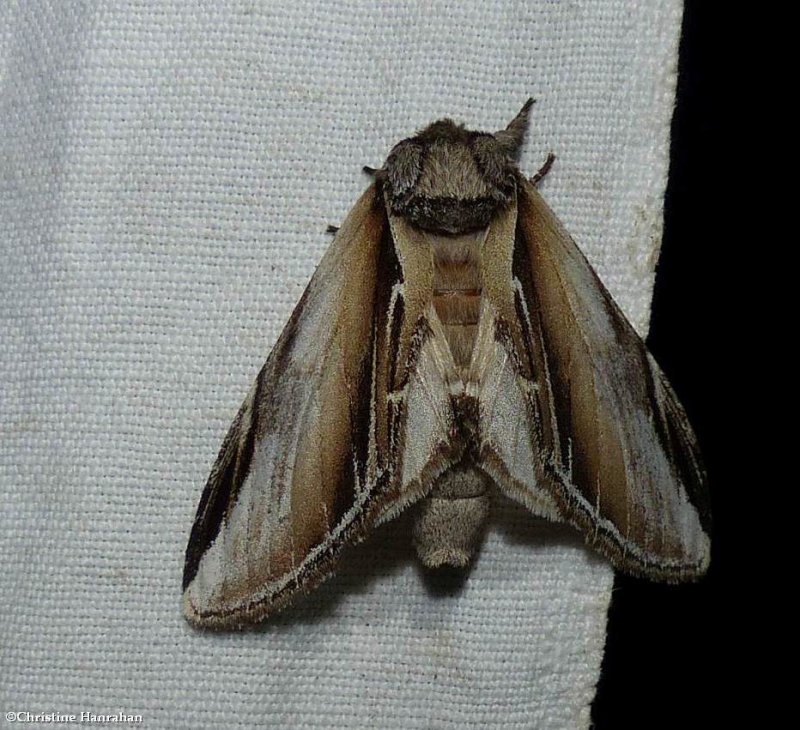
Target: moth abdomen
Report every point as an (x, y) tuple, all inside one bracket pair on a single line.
[(450, 522), (458, 293)]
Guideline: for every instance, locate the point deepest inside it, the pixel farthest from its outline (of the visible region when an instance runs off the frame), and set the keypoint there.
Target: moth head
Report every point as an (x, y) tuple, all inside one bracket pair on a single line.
[(451, 180)]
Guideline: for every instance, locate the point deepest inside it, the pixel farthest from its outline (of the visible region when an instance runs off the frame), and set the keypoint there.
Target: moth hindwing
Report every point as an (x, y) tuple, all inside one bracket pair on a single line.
[(453, 341)]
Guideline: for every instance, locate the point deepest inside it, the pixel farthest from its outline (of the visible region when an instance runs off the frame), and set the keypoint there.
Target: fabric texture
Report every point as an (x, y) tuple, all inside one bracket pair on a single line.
[(168, 171)]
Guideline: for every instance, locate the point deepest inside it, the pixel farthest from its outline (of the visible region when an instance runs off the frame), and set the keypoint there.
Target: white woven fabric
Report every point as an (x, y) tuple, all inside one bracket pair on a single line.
[(168, 171)]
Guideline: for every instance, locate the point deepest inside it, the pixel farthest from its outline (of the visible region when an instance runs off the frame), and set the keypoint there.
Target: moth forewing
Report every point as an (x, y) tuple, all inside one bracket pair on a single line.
[(632, 479), (452, 340), (303, 468)]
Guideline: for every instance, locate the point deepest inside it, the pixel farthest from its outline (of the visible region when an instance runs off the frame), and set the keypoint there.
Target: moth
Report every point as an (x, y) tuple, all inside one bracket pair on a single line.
[(453, 341)]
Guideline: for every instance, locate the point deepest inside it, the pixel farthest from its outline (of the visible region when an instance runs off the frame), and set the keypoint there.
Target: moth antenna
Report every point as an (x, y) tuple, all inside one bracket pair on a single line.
[(511, 137), (544, 169)]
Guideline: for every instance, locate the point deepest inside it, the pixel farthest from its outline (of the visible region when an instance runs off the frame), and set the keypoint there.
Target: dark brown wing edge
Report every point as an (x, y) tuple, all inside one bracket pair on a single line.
[(623, 461)]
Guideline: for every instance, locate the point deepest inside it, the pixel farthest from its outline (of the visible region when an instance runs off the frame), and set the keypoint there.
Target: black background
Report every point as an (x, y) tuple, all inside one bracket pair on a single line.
[(668, 652)]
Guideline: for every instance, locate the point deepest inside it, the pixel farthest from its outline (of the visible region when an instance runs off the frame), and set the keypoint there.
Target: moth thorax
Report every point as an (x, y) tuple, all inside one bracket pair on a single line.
[(450, 522), (447, 179)]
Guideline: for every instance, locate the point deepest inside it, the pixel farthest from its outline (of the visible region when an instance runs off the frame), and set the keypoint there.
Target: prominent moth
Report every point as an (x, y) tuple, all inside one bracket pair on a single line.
[(452, 341)]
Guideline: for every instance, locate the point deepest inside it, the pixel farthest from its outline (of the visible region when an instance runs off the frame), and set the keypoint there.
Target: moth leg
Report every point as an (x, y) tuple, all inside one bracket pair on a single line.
[(372, 172), (544, 169)]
